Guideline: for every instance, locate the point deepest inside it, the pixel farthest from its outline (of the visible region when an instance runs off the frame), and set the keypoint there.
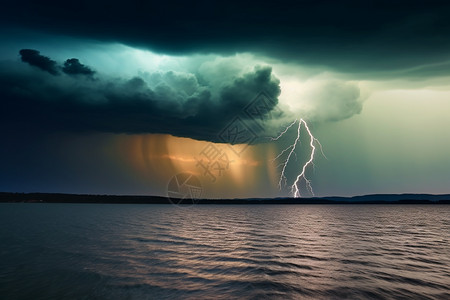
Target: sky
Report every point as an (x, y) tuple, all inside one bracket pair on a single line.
[(301, 98)]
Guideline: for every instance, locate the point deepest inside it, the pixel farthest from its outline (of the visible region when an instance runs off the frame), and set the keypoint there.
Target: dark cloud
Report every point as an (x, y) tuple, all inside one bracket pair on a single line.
[(34, 58), (73, 66), (349, 36), (162, 102)]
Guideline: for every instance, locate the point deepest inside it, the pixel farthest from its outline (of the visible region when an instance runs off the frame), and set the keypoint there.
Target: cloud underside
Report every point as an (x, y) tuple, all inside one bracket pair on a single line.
[(50, 96), (348, 36), (71, 66), (68, 97)]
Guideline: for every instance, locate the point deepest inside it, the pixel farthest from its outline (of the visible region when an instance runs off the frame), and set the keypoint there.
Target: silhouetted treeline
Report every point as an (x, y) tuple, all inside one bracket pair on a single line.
[(116, 199)]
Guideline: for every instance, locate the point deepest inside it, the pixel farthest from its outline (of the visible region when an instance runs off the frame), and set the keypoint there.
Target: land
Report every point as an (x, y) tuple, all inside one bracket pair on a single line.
[(7, 197)]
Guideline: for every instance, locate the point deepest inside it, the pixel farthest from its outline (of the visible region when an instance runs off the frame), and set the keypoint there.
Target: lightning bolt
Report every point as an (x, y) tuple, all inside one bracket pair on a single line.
[(295, 191)]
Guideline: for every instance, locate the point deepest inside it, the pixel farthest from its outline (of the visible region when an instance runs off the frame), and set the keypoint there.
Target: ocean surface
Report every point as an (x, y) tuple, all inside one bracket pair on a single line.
[(121, 251)]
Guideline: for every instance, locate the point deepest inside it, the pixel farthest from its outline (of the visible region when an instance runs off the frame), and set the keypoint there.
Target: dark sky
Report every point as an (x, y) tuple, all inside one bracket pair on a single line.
[(350, 36), (363, 39), (85, 75)]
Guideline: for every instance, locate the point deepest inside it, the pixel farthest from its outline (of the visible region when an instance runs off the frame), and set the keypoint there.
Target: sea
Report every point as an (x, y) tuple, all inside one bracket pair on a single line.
[(140, 251)]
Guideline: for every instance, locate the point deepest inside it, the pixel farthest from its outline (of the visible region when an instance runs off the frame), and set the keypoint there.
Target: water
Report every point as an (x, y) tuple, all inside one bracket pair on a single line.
[(90, 251)]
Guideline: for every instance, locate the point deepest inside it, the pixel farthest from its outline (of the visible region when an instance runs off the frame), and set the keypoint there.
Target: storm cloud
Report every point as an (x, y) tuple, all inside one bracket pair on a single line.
[(73, 66), (197, 103), (178, 103), (364, 38), (34, 58)]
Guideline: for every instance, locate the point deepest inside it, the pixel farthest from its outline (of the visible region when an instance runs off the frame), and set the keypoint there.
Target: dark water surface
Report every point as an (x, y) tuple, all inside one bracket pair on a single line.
[(90, 251)]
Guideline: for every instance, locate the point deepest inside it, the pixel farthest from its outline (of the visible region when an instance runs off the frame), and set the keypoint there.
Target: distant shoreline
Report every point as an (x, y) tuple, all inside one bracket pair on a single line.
[(7, 197)]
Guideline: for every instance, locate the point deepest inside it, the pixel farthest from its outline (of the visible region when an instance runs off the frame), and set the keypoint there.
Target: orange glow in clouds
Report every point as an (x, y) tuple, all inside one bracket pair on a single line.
[(156, 158)]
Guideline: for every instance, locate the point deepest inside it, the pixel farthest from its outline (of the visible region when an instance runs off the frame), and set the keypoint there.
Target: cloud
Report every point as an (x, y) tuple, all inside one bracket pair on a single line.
[(331, 100), (34, 58), (73, 66), (347, 36), (198, 103), (179, 103)]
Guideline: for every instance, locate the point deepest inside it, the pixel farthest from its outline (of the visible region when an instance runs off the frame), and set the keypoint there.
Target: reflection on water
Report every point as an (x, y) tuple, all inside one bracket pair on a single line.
[(76, 251)]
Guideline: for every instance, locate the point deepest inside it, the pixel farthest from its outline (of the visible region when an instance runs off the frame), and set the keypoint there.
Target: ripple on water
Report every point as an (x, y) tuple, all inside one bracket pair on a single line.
[(224, 252)]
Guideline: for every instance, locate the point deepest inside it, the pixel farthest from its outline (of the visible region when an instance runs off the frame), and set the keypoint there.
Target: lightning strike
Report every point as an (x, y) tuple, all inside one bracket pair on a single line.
[(295, 191), (284, 131)]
